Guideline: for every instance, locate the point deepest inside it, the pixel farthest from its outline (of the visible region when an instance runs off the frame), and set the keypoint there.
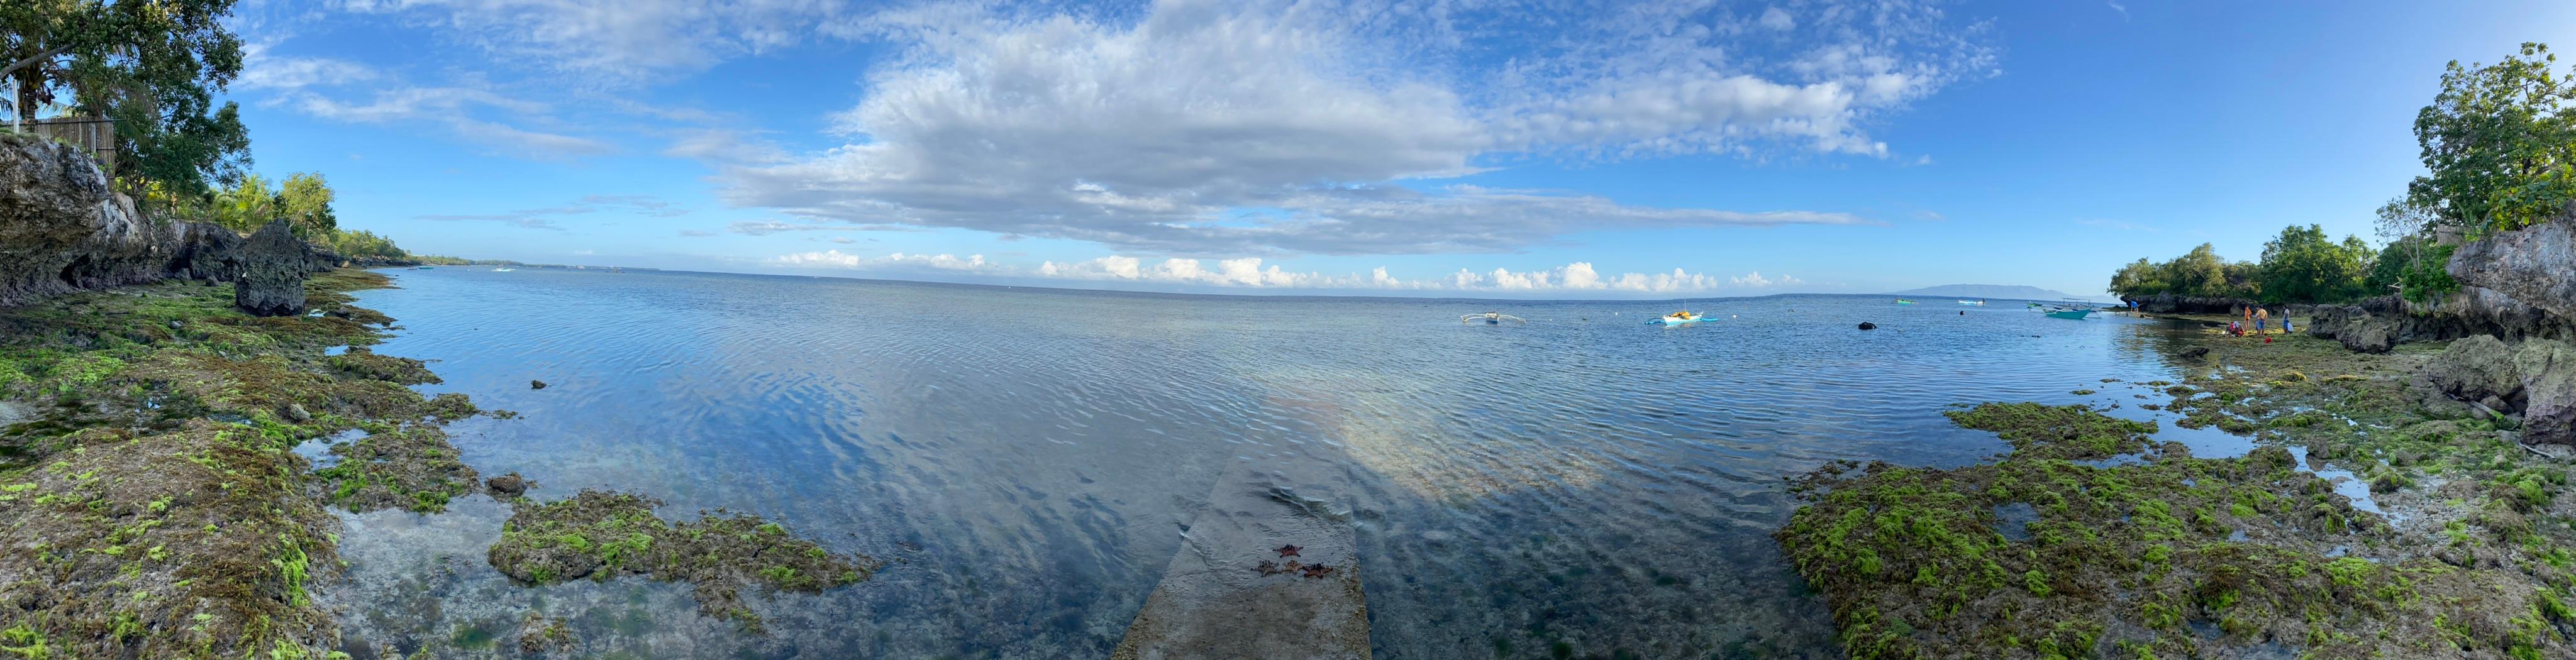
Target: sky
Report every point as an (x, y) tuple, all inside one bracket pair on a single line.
[(1507, 148)]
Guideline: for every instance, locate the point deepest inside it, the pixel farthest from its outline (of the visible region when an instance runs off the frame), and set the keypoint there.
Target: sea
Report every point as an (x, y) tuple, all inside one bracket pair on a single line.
[(1580, 483)]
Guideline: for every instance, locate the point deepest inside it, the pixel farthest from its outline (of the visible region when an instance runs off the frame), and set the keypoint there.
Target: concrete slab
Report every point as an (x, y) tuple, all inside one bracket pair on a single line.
[(1218, 598)]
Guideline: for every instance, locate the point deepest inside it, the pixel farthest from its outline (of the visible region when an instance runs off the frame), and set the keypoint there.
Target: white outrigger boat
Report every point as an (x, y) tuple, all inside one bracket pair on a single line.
[(1491, 318)]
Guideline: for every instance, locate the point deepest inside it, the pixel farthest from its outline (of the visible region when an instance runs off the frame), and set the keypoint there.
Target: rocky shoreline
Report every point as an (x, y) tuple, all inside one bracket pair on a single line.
[(158, 507), (2092, 539)]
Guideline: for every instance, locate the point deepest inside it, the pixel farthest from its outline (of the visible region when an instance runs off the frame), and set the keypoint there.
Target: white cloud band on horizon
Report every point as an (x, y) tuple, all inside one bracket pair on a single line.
[(1250, 272)]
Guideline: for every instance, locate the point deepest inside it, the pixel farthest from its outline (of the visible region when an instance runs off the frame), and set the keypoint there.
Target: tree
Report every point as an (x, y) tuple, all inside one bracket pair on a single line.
[(249, 204), (2499, 142), (2301, 265), (306, 202), (152, 65)]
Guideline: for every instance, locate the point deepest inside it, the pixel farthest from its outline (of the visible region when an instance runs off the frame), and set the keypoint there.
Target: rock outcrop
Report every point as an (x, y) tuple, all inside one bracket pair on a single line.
[(273, 265), (64, 227), (2534, 380), (2535, 265)]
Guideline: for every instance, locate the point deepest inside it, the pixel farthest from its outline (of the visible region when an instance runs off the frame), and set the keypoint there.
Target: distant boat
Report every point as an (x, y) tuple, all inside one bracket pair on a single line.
[(1902, 301), (1972, 302), (1491, 318), (2075, 314), (505, 270), (1680, 317), (423, 267)]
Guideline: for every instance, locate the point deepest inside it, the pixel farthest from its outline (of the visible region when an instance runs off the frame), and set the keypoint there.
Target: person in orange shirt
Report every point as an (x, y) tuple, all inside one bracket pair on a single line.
[(2261, 317)]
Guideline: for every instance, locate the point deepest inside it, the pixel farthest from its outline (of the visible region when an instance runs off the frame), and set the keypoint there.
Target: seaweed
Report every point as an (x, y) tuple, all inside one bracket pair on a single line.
[(602, 535)]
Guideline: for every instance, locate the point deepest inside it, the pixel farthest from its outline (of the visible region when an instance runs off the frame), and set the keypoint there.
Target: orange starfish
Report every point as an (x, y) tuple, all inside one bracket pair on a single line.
[(1289, 550)]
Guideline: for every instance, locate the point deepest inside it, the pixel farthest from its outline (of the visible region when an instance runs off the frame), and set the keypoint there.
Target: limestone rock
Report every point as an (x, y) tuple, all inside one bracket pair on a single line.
[(2473, 369), (272, 272), (63, 227), (2548, 369), (2535, 265)]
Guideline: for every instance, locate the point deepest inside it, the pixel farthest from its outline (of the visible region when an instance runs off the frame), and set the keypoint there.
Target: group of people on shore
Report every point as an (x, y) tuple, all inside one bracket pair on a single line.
[(2259, 318)]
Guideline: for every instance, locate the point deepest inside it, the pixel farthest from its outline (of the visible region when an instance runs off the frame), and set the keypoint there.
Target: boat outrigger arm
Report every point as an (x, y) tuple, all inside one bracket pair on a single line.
[(1490, 318)]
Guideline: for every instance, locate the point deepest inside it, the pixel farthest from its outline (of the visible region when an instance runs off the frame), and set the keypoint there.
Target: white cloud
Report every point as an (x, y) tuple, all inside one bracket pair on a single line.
[(1757, 281), (616, 41), (1318, 114), (837, 258), (1254, 272), (263, 71)]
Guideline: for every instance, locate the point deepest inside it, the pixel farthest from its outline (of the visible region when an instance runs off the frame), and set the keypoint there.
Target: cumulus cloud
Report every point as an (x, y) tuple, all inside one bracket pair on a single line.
[(1253, 272), (1757, 281), (1322, 115), (837, 258)]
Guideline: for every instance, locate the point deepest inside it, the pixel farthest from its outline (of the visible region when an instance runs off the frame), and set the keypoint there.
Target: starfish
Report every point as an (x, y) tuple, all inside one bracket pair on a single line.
[(1268, 568), (1292, 565), (1318, 570), (1289, 550)]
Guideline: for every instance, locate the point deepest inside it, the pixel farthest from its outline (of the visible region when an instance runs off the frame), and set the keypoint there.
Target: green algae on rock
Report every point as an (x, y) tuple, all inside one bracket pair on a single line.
[(602, 535), (155, 503), (2038, 556)]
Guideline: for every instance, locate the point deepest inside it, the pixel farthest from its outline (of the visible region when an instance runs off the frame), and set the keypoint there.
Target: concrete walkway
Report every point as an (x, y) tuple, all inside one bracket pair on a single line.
[(1229, 593)]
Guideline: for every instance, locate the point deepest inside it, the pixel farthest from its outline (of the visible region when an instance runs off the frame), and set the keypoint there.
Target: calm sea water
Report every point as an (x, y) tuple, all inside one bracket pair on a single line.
[(1583, 483)]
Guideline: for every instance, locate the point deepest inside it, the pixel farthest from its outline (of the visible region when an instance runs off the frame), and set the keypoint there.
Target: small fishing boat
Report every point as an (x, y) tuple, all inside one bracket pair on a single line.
[(1972, 302), (505, 270), (1491, 318), (2072, 309), (1902, 301), (424, 267)]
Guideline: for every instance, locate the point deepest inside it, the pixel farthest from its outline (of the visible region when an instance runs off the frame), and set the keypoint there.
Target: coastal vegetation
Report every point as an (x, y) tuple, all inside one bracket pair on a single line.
[(2091, 538), (2499, 150)]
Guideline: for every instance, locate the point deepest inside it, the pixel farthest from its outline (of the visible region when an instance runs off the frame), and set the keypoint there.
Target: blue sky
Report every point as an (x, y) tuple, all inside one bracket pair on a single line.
[(1538, 149)]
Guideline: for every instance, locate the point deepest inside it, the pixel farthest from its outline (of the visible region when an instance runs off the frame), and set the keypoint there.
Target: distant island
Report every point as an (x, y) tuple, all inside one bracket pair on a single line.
[(1990, 291)]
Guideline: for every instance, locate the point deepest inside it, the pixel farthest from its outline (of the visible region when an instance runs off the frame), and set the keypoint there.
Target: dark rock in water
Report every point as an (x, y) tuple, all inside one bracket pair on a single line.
[(536, 384), (1865, 325), (272, 272), (507, 486), (2195, 352)]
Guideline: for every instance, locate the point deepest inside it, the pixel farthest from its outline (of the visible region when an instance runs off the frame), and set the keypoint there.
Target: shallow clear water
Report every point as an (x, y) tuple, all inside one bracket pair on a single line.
[(1030, 458)]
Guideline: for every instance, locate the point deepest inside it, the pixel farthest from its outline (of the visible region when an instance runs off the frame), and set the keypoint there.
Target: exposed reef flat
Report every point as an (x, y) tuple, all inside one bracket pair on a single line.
[(158, 505), (601, 535), (2091, 538)]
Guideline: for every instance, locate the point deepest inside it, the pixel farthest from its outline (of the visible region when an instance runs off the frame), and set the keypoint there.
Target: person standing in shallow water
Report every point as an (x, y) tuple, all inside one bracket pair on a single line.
[(2262, 316)]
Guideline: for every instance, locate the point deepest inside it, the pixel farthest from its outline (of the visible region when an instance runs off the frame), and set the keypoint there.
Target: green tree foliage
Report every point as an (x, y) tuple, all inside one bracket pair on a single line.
[(306, 202), (152, 65), (363, 244), (2302, 265), (2199, 273), (2499, 142), (247, 205), (2414, 266)]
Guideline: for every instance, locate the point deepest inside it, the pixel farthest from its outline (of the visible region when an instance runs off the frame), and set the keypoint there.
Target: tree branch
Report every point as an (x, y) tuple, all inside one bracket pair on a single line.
[(32, 59)]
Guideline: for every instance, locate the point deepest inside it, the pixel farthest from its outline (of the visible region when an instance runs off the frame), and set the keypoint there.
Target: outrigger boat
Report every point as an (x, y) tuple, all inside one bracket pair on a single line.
[(2073, 310), (1902, 301), (504, 270), (1972, 302), (1677, 318), (1491, 318)]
